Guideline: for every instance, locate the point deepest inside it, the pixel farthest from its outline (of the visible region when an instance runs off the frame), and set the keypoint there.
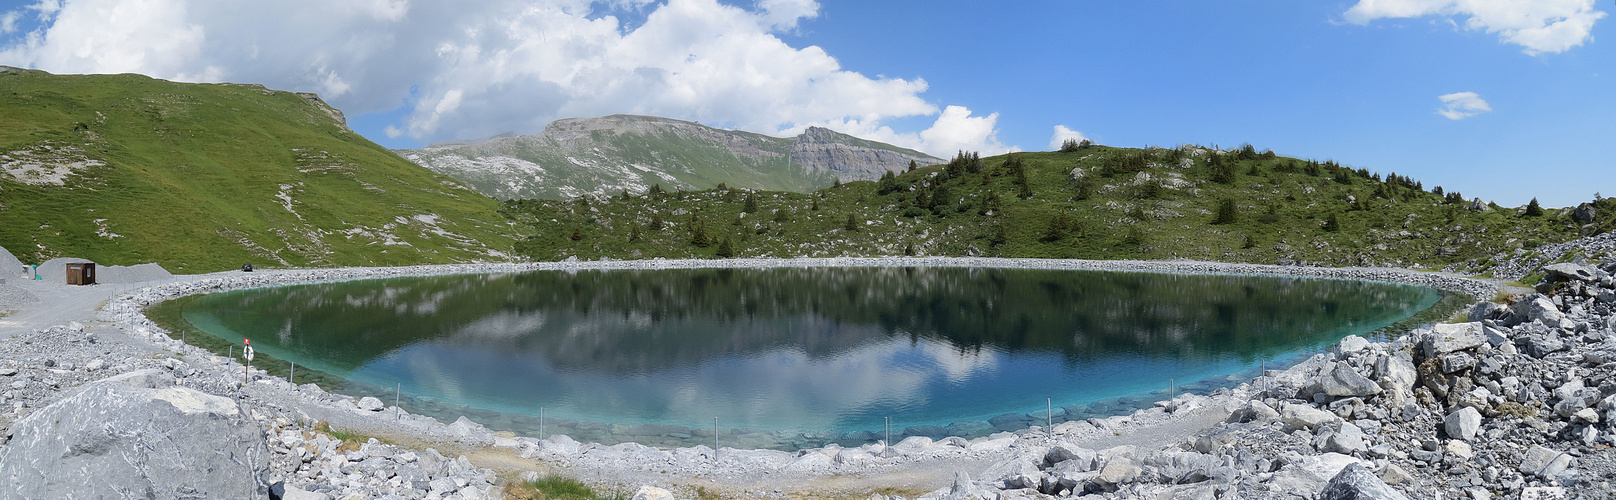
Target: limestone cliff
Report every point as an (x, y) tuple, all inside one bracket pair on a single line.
[(604, 156)]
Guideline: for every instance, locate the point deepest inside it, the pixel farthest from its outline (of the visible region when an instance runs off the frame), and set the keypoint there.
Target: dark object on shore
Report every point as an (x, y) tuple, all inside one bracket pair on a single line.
[(246, 268), (81, 273)]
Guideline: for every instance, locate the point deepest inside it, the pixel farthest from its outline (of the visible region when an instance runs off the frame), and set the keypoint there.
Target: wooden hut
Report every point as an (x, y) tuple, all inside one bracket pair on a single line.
[(81, 273)]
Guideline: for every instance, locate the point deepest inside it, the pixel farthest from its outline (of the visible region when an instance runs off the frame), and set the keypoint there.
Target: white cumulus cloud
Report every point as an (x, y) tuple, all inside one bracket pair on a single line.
[(1461, 105), (1540, 26), (1063, 134), (474, 68)]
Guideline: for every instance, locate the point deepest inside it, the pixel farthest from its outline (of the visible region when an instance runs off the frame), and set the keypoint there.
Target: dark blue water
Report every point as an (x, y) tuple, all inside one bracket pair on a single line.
[(793, 354)]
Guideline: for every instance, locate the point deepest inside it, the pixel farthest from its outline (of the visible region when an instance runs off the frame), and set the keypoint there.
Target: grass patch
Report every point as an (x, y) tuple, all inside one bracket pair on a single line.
[(351, 441), (556, 488)]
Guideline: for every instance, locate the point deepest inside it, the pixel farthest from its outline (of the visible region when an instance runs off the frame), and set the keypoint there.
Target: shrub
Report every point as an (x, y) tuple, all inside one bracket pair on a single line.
[(851, 224), (1332, 224), (1227, 212), (577, 234), (752, 202), (1074, 145), (726, 249), (888, 183)]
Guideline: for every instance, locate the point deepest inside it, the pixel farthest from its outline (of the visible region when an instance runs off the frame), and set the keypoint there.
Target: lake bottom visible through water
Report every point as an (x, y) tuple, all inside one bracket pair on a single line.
[(795, 357)]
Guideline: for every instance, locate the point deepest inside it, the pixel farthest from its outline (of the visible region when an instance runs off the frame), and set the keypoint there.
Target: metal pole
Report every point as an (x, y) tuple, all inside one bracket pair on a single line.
[(244, 371), (541, 422), (1049, 417), (232, 351), (715, 441), (1170, 389), (289, 375), (397, 412), (887, 444)]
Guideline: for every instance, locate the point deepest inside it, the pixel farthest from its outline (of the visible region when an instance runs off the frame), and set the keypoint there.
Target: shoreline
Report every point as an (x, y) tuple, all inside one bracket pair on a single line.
[(628, 465)]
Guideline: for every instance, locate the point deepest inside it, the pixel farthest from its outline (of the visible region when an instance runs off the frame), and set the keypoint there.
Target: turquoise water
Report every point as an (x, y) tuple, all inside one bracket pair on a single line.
[(785, 357)]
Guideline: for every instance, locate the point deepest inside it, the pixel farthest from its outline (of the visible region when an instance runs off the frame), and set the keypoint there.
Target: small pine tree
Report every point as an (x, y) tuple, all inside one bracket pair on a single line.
[(723, 187), (751, 203), (1070, 146), (1057, 229), (1134, 237), (1332, 224), (1223, 170), (1533, 209), (1000, 235), (726, 249), (1227, 212), (1249, 244), (837, 183), (913, 165), (656, 191), (656, 222), (698, 234), (634, 232), (909, 249), (851, 224), (577, 234), (781, 216), (625, 195), (888, 183), (816, 204)]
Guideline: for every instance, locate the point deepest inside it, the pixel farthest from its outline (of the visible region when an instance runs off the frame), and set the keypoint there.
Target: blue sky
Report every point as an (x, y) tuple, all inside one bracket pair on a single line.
[(1360, 83)]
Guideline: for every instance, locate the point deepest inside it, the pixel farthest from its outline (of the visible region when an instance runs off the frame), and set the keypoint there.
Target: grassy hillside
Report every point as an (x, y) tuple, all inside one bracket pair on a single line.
[(1094, 203), (124, 169)]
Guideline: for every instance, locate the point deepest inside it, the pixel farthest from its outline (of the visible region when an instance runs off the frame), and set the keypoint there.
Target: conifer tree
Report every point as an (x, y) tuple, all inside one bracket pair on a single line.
[(625, 195), (726, 249), (577, 234), (751, 203), (1057, 228), (816, 204), (698, 234), (1533, 209), (656, 221), (851, 224), (888, 184), (1227, 212), (1332, 224), (913, 165), (837, 184), (634, 232), (1000, 235), (781, 216)]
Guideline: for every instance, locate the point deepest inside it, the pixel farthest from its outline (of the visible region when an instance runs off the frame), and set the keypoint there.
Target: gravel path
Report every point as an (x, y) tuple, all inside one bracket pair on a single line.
[(104, 322)]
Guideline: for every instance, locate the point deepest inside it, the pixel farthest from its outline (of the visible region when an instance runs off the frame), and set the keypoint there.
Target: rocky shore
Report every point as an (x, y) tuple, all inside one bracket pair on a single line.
[(1518, 402)]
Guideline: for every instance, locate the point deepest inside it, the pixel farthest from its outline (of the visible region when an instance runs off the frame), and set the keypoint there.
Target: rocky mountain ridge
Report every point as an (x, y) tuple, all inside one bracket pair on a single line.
[(607, 155)]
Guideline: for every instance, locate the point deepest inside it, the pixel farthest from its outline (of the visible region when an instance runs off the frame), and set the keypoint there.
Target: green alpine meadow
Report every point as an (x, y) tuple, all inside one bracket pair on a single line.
[(126, 169)]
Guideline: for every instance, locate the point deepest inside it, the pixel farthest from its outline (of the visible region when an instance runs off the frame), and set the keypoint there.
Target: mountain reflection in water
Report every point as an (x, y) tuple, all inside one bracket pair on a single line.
[(796, 348)]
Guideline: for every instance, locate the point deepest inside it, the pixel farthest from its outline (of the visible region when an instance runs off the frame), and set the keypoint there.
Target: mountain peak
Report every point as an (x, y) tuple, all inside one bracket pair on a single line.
[(609, 154)]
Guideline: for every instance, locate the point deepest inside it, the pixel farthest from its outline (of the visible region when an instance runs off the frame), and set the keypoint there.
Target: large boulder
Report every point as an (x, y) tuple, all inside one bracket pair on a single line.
[(1446, 338), (1584, 213), (1343, 381), (1356, 483), (1462, 424), (1301, 416), (1567, 271), (114, 439), (1536, 307)]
